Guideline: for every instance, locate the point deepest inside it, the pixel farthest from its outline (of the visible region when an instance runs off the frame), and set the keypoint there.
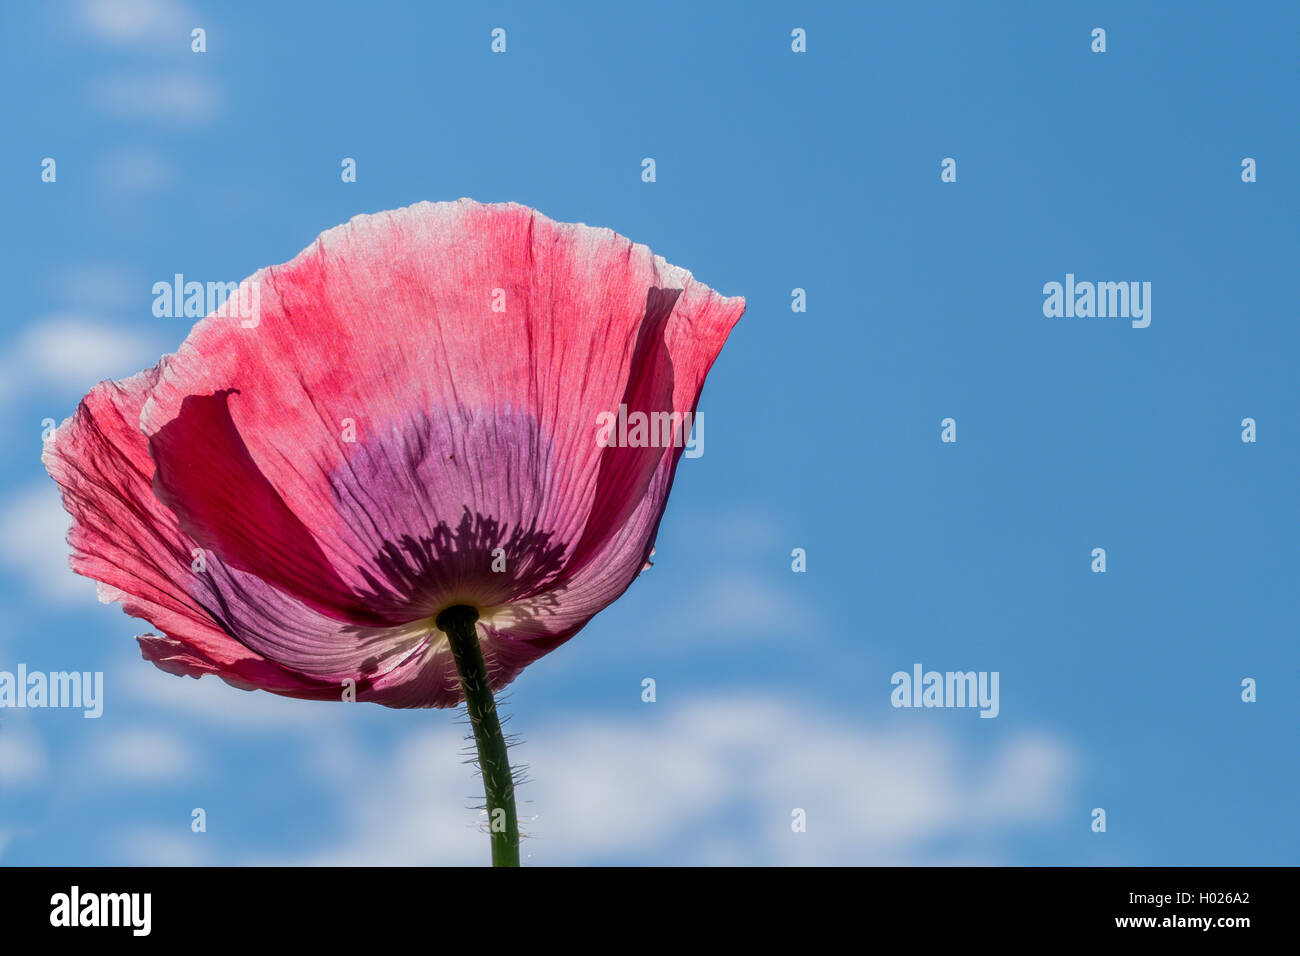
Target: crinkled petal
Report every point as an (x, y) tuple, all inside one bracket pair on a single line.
[(408, 420), (127, 540)]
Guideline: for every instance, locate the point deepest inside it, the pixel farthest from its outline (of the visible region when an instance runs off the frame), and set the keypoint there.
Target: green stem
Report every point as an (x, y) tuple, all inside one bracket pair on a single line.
[(458, 623)]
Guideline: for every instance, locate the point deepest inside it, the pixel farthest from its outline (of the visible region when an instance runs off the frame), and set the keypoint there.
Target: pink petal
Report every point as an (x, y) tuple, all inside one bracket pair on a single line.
[(123, 537), (475, 439), (229, 507)]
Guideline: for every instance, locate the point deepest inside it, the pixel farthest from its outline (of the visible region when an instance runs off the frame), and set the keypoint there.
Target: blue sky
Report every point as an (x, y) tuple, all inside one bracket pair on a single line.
[(775, 170)]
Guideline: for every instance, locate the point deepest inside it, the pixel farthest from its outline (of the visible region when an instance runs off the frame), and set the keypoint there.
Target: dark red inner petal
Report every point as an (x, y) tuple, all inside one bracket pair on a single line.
[(625, 472), (206, 475)]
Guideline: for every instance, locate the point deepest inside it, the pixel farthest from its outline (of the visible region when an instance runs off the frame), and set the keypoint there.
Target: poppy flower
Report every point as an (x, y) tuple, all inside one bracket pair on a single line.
[(408, 425)]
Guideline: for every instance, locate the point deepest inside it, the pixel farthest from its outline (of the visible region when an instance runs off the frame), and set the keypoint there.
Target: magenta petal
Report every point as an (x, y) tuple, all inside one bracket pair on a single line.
[(205, 475), (625, 472), (123, 537)]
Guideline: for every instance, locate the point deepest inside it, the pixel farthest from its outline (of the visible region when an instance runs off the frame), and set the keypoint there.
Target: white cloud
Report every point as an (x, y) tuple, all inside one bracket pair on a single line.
[(22, 760), (96, 286), (749, 597), (171, 97), (213, 701), (163, 24), (161, 31), (735, 604), (706, 784), (743, 531), (142, 755), (135, 170), (70, 352), (159, 846), (33, 545)]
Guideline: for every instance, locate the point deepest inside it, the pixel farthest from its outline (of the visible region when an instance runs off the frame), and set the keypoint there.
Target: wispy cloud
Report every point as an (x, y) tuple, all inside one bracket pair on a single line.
[(22, 758), (169, 97), (135, 169), (158, 24), (68, 352), (142, 756), (33, 545), (749, 593), (156, 36), (211, 701), (734, 604), (161, 846), (711, 783), (95, 286)]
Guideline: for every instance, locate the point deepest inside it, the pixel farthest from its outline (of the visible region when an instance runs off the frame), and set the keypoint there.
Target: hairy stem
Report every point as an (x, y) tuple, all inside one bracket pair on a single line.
[(458, 623)]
